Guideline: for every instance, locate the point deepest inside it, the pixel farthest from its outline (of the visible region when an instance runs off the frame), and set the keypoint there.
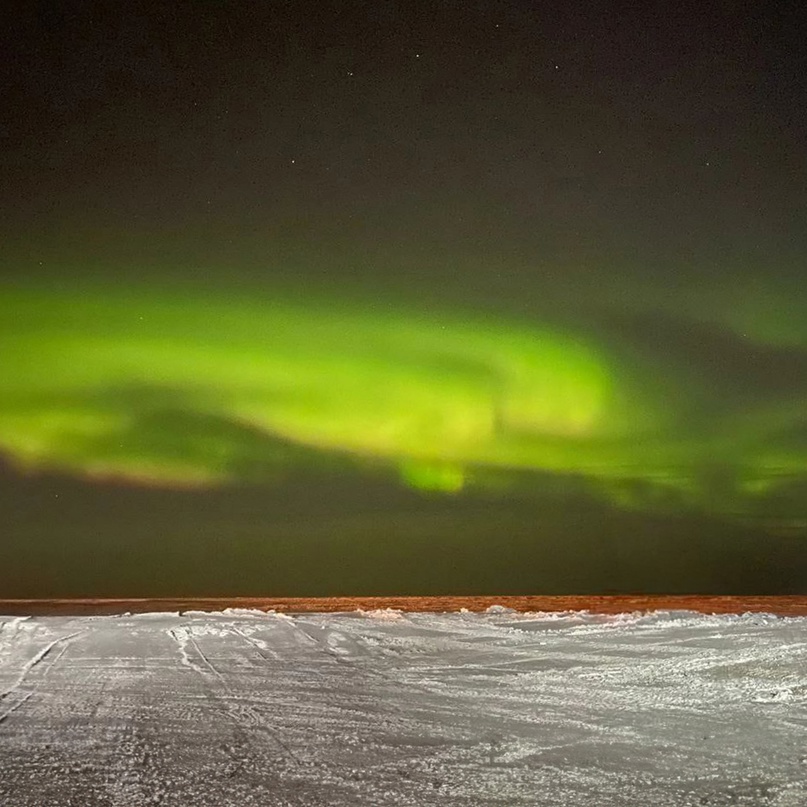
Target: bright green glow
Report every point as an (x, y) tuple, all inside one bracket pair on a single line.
[(446, 478), (190, 390), (83, 371)]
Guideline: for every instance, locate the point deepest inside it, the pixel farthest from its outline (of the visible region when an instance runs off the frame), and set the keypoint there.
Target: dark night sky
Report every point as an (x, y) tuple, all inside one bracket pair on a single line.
[(322, 297)]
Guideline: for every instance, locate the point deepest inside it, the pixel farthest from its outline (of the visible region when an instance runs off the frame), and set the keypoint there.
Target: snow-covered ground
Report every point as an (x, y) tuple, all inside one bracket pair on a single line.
[(384, 708)]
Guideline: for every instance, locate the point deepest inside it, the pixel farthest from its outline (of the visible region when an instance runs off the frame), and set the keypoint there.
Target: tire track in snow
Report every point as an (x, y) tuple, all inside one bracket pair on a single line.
[(37, 659), (348, 652), (31, 665), (183, 637), (262, 647), (21, 702)]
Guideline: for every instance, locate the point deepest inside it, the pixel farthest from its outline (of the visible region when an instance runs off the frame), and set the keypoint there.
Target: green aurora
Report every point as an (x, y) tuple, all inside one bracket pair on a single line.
[(172, 389)]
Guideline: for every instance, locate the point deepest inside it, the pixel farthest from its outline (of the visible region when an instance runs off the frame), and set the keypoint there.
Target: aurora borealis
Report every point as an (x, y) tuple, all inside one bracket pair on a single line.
[(421, 298), (158, 388), (385, 388)]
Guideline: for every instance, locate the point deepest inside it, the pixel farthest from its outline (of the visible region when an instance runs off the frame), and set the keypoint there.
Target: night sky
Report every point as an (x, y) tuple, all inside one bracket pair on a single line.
[(313, 298)]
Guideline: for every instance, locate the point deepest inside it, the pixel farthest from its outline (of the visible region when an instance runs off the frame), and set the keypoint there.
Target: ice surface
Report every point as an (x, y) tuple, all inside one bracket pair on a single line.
[(388, 708)]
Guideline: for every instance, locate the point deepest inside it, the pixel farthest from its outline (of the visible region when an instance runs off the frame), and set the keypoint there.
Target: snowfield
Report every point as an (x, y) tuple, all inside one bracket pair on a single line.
[(387, 708)]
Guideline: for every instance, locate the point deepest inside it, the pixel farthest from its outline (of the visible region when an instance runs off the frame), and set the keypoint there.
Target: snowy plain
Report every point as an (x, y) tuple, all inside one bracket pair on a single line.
[(369, 709)]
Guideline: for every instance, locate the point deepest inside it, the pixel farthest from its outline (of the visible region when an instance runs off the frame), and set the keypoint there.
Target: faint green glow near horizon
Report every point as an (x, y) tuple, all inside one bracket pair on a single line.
[(164, 388)]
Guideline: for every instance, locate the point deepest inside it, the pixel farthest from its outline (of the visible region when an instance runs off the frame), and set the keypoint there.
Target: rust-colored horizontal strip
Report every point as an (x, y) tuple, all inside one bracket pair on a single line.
[(605, 604)]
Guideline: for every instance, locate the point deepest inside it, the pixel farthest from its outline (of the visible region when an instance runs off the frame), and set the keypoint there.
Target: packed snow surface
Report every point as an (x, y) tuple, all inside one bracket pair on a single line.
[(388, 708)]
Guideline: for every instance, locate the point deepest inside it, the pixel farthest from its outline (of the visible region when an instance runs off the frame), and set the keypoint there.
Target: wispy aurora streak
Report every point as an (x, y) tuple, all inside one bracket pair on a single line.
[(170, 389)]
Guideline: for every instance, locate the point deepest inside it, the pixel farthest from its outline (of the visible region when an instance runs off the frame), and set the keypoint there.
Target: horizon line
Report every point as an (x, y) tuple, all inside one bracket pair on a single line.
[(780, 605)]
